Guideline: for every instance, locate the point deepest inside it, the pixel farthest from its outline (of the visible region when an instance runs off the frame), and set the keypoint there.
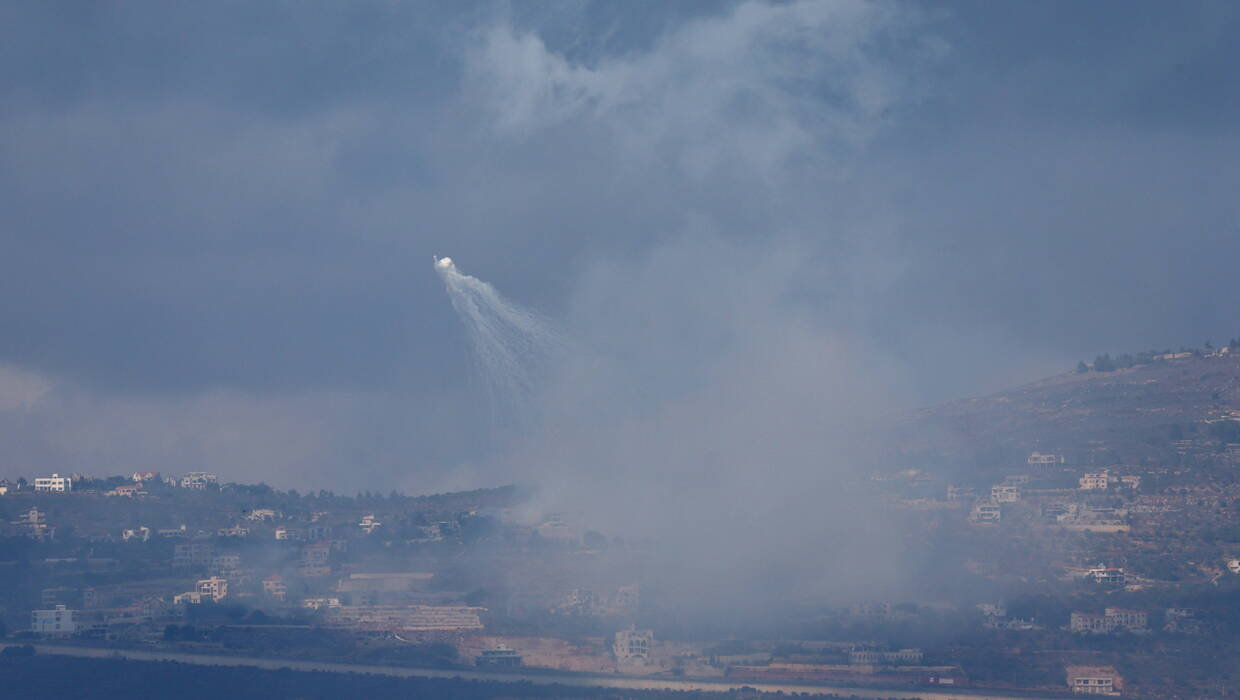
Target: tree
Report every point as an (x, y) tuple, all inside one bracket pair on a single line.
[(1081, 367)]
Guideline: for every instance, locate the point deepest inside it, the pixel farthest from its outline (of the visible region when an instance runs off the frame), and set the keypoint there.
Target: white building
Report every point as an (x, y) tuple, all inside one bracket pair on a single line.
[(198, 480), (1095, 481), (55, 482), (1095, 680), (1037, 459), (58, 620), (1005, 493)]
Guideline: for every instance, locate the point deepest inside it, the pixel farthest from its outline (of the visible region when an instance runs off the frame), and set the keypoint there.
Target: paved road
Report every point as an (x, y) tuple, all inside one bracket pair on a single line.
[(540, 678)]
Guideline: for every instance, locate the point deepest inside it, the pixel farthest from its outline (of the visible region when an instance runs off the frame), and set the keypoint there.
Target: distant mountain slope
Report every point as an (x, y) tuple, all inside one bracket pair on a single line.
[(1134, 412)]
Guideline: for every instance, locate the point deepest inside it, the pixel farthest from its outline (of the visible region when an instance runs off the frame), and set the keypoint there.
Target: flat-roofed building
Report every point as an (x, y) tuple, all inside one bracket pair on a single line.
[(1095, 680), (54, 483), (57, 621)]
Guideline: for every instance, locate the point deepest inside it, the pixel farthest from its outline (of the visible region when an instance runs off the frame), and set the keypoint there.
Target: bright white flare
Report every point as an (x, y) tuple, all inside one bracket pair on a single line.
[(512, 345)]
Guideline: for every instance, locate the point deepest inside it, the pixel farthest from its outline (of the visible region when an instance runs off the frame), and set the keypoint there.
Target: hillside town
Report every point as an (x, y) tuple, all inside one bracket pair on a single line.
[(1116, 559)]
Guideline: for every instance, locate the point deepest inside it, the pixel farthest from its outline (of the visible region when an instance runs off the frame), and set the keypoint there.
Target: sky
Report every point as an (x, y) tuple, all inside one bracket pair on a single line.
[(763, 223)]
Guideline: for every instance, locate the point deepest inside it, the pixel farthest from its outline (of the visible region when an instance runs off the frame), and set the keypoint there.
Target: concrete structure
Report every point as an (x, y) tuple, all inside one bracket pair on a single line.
[(198, 480), (1005, 493), (1102, 574), (58, 621), (192, 554), (500, 657), (986, 513), (127, 490), (275, 587), (369, 524), (1112, 620), (215, 587), (1095, 481), (633, 644), (1094, 680), (54, 483), (1037, 459)]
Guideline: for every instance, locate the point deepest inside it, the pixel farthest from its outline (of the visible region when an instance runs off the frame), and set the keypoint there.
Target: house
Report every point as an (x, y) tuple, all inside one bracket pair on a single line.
[(1005, 493), (192, 554), (1102, 574), (1094, 680), (320, 603), (215, 587), (34, 524), (198, 480), (145, 476), (226, 564), (141, 533), (500, 657), (283, 532), (264, 514), (369, 524), (1095, 481), (1182, 621), (633, 644), (234, 531), (127, 490), (1037, 459), (53, 484), (57, 621), (986, 513), (275, 587)]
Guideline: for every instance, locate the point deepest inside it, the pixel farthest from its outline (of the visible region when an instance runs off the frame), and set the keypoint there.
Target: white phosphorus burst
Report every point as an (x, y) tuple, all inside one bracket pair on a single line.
[(512, 345)]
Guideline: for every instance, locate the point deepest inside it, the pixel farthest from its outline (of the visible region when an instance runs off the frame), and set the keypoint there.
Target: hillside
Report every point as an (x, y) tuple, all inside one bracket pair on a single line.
[(1141, 414)]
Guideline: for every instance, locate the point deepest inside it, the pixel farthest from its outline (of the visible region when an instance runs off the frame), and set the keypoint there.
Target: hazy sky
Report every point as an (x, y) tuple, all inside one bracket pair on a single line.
[(762, 219)]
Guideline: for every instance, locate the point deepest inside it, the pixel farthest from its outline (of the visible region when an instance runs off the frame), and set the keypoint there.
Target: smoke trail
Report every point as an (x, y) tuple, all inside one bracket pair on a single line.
[(513, 346)]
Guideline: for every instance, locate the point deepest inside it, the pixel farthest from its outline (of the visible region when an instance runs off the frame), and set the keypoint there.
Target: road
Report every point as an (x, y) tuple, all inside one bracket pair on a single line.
[(625, 683)]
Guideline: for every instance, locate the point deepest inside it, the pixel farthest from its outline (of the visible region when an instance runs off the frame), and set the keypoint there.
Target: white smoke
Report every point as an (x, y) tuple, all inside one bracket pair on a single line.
[(513, 346)]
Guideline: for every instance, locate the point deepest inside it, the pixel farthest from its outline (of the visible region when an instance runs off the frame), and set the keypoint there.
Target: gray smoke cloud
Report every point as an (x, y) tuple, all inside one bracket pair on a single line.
[(768, 223)]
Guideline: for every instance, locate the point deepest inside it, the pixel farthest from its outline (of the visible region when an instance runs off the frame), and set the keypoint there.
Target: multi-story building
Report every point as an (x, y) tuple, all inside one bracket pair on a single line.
[(275, 587), (1112, 620), (192, 554), (54, 483), (198, 480), (1005, 493), (215, 587), (226, 564), (1102, 574), (1095, 481), (633, 644), (1094, 680), (59, 621), (1131, 620)]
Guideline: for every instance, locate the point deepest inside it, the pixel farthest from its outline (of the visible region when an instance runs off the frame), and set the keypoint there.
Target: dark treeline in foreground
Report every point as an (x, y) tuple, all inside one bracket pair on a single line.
[(38, 676)]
